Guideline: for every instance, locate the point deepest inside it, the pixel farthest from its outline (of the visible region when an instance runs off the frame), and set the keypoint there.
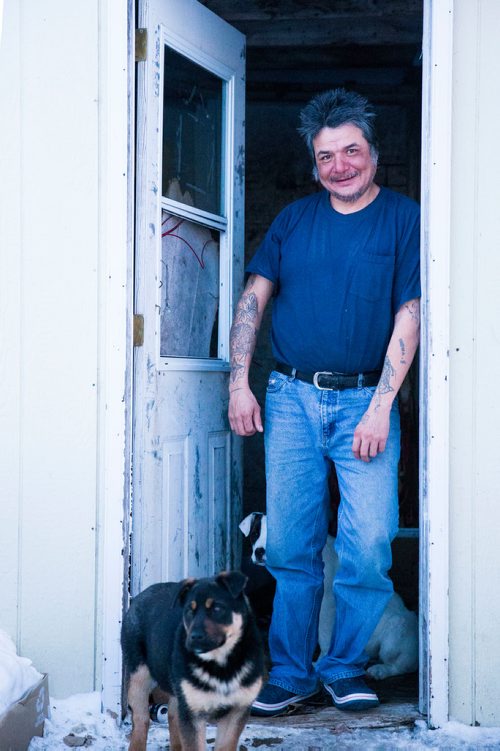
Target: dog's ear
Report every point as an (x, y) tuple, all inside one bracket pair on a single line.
[(234, 581), (184, 587), (246, 524)]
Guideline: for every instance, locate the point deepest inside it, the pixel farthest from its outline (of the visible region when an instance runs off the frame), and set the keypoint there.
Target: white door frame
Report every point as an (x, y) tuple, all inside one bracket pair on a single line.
[(434, 359), (116, 185)]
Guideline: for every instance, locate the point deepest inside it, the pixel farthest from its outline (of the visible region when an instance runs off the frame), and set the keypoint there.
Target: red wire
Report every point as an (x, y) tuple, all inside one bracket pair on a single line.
[(170, 233)]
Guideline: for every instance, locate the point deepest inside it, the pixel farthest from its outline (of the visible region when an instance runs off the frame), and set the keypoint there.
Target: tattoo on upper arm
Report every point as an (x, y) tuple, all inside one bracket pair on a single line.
[(413, 308)]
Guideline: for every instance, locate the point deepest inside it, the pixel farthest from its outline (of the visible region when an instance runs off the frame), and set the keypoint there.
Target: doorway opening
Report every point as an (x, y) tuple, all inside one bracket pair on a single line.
[(295, 50)]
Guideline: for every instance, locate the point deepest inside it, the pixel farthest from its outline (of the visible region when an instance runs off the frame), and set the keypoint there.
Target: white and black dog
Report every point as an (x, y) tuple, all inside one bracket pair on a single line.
[(394, 643), (254, 526)]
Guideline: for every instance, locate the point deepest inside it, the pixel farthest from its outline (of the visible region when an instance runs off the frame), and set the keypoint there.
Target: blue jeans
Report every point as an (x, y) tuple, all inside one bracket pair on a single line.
[(305, 427)]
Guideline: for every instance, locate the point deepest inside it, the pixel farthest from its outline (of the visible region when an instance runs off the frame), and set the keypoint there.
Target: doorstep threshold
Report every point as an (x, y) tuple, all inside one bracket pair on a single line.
[(394, 714)]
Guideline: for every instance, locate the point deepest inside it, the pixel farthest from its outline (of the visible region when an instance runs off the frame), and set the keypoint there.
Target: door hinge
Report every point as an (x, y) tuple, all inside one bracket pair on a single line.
[(141, 45), (138, 330)]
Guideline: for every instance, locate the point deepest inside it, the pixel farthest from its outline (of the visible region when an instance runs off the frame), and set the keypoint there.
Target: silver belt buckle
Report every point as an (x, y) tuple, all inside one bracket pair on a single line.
[(321, 373)]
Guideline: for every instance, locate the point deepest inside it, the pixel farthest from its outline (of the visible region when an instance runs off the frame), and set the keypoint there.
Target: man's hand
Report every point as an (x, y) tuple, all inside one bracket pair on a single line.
[(370, 436), (244, 412)]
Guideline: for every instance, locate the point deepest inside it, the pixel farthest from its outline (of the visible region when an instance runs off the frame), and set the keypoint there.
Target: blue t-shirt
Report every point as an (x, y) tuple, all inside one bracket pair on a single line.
[(339, 279)]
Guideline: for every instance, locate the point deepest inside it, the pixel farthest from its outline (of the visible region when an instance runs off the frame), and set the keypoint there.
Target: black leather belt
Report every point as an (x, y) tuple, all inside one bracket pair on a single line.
[(326, 380)]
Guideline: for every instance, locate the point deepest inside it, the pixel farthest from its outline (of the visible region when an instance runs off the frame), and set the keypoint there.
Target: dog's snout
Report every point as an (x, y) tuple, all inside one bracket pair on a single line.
[(196, 637), (260, 555), (202, 637)]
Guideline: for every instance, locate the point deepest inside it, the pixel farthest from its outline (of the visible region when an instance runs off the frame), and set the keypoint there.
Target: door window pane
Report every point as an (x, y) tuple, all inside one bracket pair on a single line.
[(190, 289), (192, 132)]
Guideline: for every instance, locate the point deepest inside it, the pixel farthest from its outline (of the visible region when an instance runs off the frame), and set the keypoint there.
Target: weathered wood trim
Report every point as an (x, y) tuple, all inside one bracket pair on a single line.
[(351, 22), (340, 32), (434, 397), (115, 337), (259, 11)]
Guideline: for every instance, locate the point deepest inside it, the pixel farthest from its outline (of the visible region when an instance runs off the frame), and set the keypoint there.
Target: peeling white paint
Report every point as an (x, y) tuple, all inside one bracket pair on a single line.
[(186, 496)]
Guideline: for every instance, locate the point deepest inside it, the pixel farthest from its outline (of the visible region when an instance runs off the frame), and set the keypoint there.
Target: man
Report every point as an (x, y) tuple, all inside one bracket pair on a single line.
[(343, 266)]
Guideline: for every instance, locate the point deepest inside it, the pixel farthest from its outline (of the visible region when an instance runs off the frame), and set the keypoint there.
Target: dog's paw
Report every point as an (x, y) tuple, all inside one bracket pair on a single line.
[(380, 671)]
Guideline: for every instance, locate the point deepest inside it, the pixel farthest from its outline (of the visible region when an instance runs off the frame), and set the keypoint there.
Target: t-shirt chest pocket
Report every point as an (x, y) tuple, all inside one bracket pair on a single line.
[(372, 277)]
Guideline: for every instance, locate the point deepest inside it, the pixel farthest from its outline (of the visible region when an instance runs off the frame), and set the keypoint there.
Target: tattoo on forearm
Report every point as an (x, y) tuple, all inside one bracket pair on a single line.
[(243, 337), (388, 372), (248, 308), (243, 332), (402, 346), (384, 386)]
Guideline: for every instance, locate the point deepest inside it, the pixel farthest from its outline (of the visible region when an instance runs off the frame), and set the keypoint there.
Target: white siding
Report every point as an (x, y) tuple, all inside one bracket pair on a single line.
[(475, 367), (10, 323), (55, 361)]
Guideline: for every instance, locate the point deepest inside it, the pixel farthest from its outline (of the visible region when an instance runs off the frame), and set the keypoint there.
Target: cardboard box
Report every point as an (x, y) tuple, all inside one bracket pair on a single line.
[(25, 719)]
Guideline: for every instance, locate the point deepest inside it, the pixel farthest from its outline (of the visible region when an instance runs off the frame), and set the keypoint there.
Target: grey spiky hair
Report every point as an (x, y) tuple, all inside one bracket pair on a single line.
[(334, 108)]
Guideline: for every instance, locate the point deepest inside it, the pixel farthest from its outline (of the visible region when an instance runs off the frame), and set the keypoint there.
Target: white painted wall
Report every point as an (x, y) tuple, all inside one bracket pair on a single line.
[(63, 299), (475, 367)]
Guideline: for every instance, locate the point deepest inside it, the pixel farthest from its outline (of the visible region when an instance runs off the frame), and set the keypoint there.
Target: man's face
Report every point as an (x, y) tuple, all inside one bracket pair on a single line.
[(345, 165)]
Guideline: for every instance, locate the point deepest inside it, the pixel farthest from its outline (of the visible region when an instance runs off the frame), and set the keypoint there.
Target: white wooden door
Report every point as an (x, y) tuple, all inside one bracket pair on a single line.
[(189, 267)]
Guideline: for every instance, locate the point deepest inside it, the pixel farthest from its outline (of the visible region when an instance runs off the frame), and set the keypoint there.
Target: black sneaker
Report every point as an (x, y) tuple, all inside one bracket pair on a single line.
[(352, 694), (273, 700)]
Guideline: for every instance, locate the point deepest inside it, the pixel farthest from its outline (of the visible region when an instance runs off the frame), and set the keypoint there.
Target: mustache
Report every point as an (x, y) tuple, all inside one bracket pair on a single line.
[(341, 178)]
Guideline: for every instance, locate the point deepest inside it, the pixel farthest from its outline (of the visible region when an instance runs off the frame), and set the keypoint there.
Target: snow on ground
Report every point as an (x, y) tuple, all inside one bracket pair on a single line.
[(80, 715), (17, 674)]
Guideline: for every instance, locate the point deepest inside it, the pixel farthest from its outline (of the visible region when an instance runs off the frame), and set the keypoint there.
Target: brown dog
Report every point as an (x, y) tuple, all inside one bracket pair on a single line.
[(195, 644)]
